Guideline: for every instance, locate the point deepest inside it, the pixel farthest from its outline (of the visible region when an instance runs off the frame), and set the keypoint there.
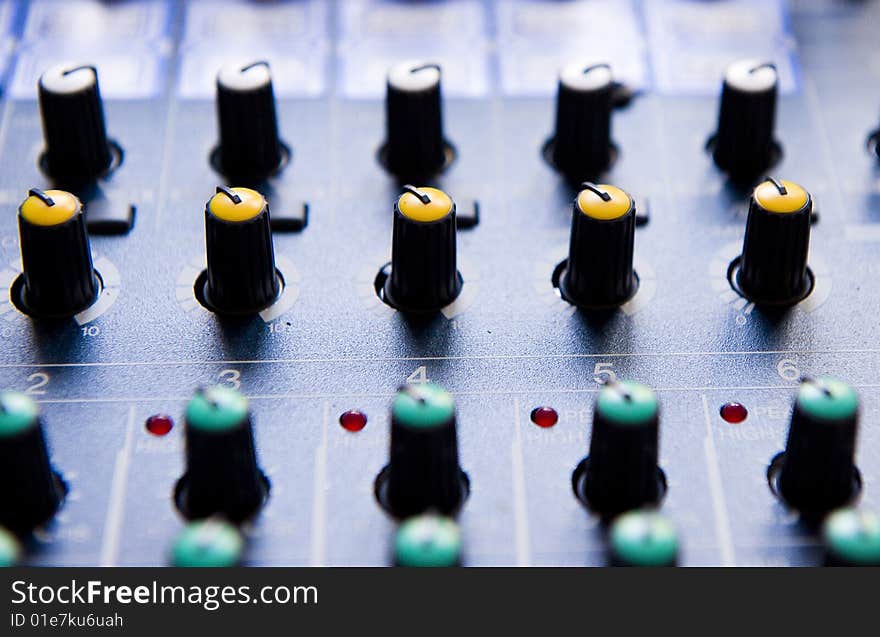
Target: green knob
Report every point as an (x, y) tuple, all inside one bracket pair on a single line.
[(428, 540), (853, 537), (216, 409), (423, 406), (18, 413), (643, 538), (208, 543), (10, 549), (827, 399), (627, 403)]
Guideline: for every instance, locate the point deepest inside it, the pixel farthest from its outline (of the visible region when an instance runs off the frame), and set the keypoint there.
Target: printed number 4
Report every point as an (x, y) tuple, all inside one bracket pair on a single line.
[(419, 376)]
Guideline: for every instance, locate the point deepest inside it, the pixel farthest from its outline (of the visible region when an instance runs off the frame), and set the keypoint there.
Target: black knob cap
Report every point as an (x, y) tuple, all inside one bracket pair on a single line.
[(241, 275), (31, 492), (250, 149), (818, 471), (222, 475), (599, 272), (77, 148), (581, 146), (423, 472), (414, 149), (423, 275), (743, 145), (851, 538), (773, 266), (57, 272), (621, 471)]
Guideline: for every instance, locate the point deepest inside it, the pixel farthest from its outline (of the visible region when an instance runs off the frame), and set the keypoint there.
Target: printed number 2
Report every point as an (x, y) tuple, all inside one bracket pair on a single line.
[(38, 380)]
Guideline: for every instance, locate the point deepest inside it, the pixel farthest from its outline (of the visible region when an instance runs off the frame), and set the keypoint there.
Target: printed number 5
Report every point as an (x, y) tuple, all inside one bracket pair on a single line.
[(603, 374)]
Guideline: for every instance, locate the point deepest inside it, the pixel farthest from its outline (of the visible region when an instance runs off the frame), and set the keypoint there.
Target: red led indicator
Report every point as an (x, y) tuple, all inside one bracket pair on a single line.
[(734, 412), (353, 420), (544, 416), (159, 424)]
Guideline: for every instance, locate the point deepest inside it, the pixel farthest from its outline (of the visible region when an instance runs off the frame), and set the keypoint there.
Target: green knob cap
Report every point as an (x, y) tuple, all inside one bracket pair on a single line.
[(627, 403), (216, 409), (10, 549), (208, 543), (423, 406), (643, 538), (428, 541), (18, 413), (852, 537), (827, 399)]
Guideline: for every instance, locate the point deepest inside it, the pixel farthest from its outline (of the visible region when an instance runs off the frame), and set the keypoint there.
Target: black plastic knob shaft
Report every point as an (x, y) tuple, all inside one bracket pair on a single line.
[(58, 276), (77, 149), (31, 492), (241, 275), (222, 474), (581, 147), (818, 471), (250, 148), (423, 472), (773, 267), (415, 148), (599, 272), (621, 470), (424, 277), (743, 145)]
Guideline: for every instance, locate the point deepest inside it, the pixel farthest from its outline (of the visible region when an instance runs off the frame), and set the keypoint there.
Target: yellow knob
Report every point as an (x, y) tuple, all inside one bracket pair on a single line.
[(604, 202), (437, 206), (236, 204), (49, 207), (790, 198)]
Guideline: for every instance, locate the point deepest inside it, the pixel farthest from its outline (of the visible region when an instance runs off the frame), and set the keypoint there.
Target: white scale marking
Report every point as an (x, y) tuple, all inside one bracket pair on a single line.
[(116, 508), (319, 496), (520, 507), (391, 359), (716, 487)]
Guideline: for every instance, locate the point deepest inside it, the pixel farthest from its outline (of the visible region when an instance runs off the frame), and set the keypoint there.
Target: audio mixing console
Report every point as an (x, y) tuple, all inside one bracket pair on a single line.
[(365, 282)]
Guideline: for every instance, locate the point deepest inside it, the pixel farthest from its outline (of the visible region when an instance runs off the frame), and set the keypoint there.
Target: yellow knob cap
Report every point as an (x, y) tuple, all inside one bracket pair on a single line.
[(613, 205), (772, 198), (413, 207), (236, 204), (50, 207)]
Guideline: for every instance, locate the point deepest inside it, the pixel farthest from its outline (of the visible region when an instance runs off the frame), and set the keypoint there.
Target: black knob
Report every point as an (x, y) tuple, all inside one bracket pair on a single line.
[(415, 148), (31, 492), (423, 472), (250, 149), (743, 145), (581, 146), (621, 472), (851, 538), (818, 471), (773, 265), (423, 275), (222, 475), (57, 272), (77, 149), (599, 272), (241, 275)]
